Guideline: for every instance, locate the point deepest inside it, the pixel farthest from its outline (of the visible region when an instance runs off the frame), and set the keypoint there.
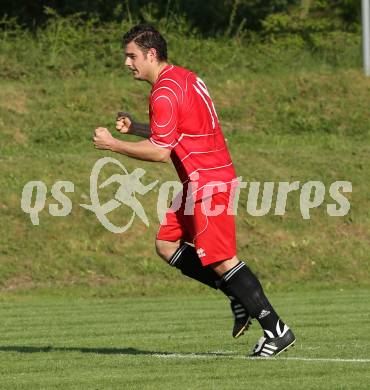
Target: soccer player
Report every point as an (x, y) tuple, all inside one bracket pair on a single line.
[(198, 234)]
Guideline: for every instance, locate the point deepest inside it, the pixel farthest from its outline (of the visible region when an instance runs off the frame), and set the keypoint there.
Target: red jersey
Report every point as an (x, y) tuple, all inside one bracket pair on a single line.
[(183, 119)]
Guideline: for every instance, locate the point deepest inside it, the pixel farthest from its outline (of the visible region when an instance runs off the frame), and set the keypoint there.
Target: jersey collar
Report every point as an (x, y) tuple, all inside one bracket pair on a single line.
[(164, 70)]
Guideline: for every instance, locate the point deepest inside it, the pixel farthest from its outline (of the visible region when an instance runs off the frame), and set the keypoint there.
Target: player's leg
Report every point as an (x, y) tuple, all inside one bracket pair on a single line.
[(165, 248), (215, 240), (240, 281), (185, 258), (171, 247)]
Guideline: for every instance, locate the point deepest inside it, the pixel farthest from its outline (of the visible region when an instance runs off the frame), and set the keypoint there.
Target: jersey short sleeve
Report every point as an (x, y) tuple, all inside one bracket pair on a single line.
[(164, 116)]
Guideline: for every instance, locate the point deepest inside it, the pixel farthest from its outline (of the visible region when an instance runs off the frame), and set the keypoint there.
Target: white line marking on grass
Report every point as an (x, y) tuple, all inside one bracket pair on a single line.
[(228, 356), (329, 360)]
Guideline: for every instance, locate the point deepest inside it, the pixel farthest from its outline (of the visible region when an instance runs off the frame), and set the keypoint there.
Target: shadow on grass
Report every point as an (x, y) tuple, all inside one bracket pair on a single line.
[(102, 351)]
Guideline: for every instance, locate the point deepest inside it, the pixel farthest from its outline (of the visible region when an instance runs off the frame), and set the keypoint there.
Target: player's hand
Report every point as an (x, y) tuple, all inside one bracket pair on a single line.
[(123, 122), (103, 139)]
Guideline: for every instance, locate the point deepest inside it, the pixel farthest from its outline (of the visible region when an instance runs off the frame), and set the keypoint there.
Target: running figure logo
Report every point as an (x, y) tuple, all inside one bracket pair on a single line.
[(129, 184)]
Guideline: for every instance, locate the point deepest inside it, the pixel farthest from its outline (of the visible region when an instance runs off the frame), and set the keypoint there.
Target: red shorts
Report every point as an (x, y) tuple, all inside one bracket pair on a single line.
[(213, 236)]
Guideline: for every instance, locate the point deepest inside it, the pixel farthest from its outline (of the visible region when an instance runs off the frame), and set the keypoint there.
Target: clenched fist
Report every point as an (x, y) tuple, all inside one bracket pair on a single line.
[(123, 122), (102, 138)]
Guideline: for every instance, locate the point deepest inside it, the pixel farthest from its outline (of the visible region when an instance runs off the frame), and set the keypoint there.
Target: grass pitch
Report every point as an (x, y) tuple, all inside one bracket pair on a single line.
[(183, 343)]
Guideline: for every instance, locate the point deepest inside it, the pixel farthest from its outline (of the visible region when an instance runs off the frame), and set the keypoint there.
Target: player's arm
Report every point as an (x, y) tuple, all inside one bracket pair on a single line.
[(142, 150), (125, 125), (163, 130)]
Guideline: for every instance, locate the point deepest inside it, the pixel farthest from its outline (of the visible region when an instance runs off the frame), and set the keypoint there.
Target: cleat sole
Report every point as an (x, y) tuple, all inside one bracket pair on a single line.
[(243, 329), (291, 345)]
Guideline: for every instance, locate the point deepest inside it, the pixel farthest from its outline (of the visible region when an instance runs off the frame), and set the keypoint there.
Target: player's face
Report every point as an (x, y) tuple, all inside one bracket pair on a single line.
[(138, 62)]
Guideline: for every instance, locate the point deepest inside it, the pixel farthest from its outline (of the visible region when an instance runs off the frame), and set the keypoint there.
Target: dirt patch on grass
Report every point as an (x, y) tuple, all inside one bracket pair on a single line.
[(13, 98), (25, 282), (354, 230), (19, 282)]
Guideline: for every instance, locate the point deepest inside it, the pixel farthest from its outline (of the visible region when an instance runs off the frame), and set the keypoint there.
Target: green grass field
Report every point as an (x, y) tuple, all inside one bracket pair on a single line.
[(183, 343)]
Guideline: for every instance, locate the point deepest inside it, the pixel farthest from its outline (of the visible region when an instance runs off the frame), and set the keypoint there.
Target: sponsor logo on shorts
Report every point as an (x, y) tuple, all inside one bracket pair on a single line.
[(201, 252)]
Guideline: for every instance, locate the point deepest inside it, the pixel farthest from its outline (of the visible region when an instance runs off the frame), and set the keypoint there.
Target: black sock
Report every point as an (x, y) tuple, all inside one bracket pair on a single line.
[(187, 261), (241, 283)]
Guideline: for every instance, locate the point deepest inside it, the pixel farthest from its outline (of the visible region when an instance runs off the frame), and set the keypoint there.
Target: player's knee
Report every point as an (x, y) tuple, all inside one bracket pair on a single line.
[(165, 249), (159, 248), (224, 266)]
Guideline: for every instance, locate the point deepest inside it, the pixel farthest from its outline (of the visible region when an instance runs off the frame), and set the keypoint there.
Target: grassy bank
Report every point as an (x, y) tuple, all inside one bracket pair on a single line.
[(291, 111)]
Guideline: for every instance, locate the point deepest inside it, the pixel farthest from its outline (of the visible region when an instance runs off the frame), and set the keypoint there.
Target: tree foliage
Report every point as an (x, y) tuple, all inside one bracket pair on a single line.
[(215, 17)]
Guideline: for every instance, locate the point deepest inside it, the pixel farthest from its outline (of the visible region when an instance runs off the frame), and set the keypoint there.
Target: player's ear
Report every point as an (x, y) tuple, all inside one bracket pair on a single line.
[(152, 54)]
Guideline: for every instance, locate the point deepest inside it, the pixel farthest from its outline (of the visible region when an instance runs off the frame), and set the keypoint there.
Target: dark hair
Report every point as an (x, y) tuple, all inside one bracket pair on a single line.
[(147, 37)]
